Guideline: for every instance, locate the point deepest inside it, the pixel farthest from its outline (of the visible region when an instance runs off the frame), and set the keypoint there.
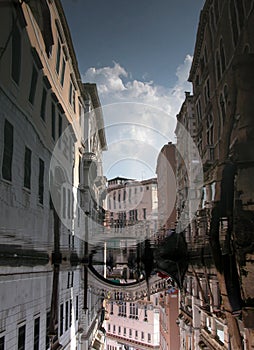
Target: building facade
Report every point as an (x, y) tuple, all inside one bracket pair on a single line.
[(132, 206), (44, 142), (133, 324)]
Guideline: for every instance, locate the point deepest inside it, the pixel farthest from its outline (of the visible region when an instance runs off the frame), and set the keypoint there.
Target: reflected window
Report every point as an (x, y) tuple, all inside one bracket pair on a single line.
[(1, 343), (61, 319), (43, 104), (41, 181), (8, 151), (47, 330), (33, 85), (70, 319), (77, 309), (66, 315), (27, 168)]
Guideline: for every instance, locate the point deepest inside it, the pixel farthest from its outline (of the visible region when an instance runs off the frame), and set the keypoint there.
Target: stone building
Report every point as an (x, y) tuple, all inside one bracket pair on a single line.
[(222, 80), (44, 146), (132, 206)]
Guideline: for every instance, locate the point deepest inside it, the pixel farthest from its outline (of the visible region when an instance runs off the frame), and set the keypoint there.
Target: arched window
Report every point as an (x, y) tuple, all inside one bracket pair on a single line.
[(114, 200)]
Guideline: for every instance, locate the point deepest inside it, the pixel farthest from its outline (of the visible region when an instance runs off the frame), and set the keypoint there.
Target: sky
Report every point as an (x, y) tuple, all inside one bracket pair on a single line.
[(139, 53)]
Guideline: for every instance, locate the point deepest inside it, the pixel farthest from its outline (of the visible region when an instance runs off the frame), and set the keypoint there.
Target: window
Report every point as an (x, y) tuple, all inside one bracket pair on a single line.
[(119, 330), (2, 343), (136, 334), (122, 309), (69, 203), (47, 330), (64, 203), (80, 113), (43, 104), (124, 331), (63, 71), (37, 333), (144, 213), (142, 336), (149, 337), (66, 315), (114, 328), (27, 168), (114, 200), (72, 96), (77, 308), (53, 121), (61, 319), (145, 314), (109, 327), (74, 101), (70, 93), (133, 310), (111, 308), (8, 151), (41, 181), (119, 199), (33, 85), (58, 56), (22, 337), (60, 128), (16, 55), (70, 319), (130, 333)]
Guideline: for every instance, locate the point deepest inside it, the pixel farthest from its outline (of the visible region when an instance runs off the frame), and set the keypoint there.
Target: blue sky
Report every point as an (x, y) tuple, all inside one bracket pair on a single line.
[(139, 53)]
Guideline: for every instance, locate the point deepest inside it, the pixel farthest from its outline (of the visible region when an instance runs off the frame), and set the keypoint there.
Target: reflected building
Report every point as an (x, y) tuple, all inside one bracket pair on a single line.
[(222, 79), (51, 129)]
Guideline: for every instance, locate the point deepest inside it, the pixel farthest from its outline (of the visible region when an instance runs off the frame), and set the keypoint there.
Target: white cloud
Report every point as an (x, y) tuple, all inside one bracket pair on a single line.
[(143, 113)]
